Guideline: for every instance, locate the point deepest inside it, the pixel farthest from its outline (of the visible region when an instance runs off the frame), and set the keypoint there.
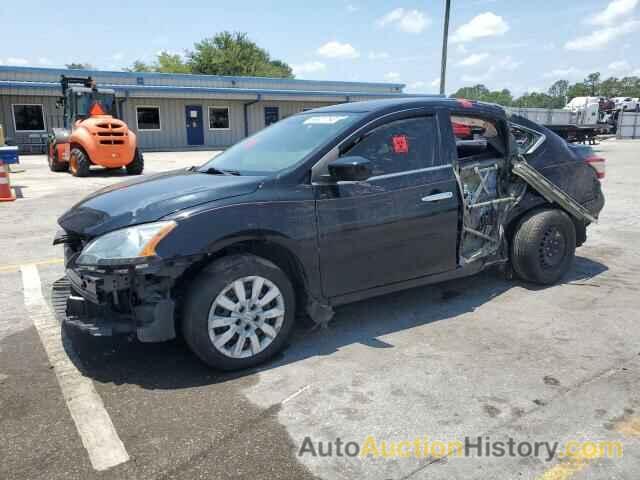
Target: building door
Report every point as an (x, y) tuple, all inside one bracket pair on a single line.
[(271, 115), (195, 127)]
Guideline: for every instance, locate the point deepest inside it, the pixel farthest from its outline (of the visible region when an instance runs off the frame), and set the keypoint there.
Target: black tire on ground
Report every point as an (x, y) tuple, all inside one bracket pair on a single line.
[(55, 165), (137, 164), (79, 163), (211, 282), (543, 246)]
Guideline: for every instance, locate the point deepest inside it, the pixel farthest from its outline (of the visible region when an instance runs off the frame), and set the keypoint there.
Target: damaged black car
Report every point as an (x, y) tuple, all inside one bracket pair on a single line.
[(323, 208)]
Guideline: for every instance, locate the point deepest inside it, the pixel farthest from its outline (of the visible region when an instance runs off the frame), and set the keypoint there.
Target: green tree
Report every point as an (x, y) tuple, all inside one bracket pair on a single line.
[(165, 62), (79, 66), (630, 87), (593, 83), (140, 66), (536, 99), (482, 93), (610, 87), (234, 54), (578, 90)]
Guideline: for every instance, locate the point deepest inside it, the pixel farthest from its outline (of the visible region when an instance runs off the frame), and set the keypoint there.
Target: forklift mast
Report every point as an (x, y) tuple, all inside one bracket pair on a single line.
[(86, 82)]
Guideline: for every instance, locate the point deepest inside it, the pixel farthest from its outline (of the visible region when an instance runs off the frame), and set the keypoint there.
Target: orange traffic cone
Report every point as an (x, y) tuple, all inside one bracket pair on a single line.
[(6, 195)]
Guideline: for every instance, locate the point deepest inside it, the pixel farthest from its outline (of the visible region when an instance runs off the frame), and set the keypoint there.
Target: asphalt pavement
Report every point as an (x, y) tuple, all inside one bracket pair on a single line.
[(481, 357)]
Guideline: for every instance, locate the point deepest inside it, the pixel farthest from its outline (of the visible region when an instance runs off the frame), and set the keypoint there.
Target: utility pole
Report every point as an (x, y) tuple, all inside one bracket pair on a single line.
[(445, 42)]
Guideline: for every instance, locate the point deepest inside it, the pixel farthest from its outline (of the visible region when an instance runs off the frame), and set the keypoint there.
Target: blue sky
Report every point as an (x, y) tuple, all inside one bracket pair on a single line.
[(520, 45)]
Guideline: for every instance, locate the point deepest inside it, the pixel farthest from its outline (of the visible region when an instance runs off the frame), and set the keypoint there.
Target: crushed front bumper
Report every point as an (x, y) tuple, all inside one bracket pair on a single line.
[(123, 300)]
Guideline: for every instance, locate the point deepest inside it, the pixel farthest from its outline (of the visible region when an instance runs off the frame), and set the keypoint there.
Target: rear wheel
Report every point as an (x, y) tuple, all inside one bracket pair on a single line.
[(543, 246), (240, 312), (79, 163), (137, 164), (55, 165)]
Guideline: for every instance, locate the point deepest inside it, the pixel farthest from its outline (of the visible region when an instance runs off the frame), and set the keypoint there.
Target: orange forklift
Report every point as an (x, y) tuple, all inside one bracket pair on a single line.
[(92, 135)]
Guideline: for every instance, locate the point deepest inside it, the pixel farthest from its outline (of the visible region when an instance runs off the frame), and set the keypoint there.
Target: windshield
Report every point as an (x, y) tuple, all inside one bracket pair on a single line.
[(282, 145), (85, 102)]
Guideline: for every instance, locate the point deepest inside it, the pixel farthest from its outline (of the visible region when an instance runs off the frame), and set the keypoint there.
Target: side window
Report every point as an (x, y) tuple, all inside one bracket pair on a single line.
[(477, 138), (398, 146)]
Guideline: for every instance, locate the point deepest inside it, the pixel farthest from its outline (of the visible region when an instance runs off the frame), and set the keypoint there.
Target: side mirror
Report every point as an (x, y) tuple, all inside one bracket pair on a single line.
[(350, 169)]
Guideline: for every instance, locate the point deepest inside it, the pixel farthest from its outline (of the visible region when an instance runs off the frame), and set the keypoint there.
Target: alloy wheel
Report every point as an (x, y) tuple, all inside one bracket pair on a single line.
[(246, 317)]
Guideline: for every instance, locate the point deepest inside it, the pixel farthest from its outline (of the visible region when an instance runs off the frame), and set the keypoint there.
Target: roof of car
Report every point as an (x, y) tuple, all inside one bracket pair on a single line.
[(435, 101)]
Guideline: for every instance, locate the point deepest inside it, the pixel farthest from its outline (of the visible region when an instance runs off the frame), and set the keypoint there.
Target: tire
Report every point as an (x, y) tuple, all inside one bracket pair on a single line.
[(56, 165), (216, 284), (79, 163), (137, 164), (543, 246)]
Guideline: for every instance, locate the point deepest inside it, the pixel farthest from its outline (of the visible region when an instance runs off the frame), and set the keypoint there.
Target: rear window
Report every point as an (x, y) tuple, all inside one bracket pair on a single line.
[(476, 138)]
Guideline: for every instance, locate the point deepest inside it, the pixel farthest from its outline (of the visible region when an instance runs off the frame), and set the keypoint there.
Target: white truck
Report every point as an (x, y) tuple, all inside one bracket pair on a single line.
[(627, 104), (580, 120)]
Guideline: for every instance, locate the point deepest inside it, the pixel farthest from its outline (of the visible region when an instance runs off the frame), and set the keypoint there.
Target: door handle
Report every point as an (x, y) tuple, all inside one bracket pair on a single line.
[(437, 197)]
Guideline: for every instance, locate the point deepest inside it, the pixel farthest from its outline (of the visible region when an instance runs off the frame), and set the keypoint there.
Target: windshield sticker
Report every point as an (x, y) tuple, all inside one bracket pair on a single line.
[(324, 120), (249, 143), (400, 144)]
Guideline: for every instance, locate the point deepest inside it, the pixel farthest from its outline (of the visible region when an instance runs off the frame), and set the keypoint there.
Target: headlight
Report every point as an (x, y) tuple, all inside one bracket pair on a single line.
[(129, 243)]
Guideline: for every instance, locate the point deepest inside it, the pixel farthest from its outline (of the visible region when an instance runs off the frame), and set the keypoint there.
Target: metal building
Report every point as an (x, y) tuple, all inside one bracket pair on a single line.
[(173, 111)]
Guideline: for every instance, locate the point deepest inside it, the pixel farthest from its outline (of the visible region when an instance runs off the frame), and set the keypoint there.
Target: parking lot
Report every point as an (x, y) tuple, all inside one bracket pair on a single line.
[(481, 357)]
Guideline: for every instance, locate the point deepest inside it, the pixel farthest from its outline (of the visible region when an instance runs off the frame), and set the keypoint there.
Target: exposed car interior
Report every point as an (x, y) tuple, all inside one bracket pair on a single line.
[(481, 162)]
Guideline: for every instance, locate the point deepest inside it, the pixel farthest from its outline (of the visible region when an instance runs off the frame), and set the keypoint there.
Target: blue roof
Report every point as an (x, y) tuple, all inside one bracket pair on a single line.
[(225, 90), (182, 76)]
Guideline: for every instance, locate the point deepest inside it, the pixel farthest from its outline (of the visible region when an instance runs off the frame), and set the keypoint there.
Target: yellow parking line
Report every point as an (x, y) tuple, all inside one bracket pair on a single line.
[(15, 268), (566, 470), (628, 427)]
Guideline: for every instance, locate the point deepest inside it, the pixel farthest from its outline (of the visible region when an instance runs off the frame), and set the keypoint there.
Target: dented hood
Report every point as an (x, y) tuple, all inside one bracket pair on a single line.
[(150, 198)]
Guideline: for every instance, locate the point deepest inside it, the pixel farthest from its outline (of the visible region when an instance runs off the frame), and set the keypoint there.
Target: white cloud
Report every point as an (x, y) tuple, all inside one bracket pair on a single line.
[(473, 59), (308, 67), (422, 86), (562, 73), (508, 63), (615, 10), (414, 86), (352, 8), (636, 73), (338, 50), (378, 55), (17, 61), (409, 21), (486, 24), (44, 61), (392, 76), (478, 78), (601, 38), (118, 56), (619, 66), (461, 49)]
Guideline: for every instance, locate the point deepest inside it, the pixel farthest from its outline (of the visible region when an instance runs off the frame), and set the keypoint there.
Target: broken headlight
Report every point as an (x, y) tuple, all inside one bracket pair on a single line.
[(130, 243)]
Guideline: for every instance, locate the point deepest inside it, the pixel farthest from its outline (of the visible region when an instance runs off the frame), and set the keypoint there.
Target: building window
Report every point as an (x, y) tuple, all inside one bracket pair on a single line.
[(218, 118), (271, 115), (148, 118), (28, 118)]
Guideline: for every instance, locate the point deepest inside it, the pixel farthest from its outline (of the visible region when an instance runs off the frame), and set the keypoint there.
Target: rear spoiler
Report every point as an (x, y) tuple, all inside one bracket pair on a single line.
[(550, 192)]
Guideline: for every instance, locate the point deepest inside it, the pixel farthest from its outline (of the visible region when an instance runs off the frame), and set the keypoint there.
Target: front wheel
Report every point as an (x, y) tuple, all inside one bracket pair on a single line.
[(137, 164), (55, 165), (79, 163), (239, 312), (543, 246)]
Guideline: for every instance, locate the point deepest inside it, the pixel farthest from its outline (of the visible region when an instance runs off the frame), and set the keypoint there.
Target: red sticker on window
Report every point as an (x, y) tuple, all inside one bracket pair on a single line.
[(400, 144)]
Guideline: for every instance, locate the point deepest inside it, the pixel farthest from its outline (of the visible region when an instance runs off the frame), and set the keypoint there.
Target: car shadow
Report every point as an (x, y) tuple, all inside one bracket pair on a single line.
[(171, 365)]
